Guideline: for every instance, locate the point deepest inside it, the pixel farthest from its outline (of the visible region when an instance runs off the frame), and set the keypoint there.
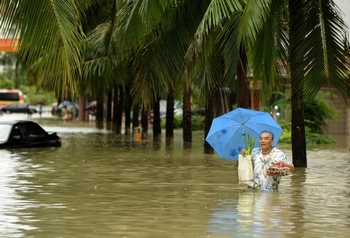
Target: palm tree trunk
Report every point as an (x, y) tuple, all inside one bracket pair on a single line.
[(169, 126), (82, 104), (99, 112), (298, 127), (156, 121), (109, 110), (144, 122), (243, 94), (135, 115), (127, 110), (186, 118), (298, 135), (115, 107), (120, 107), (208, 119)]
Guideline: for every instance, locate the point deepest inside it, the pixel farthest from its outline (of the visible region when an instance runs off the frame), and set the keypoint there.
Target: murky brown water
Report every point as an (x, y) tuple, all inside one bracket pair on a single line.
[(103, 185)]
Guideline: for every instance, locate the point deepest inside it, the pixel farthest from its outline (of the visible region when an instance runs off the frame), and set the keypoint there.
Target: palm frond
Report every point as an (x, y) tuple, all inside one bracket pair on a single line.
[(138, 18), (228, 39), (50, 37), (253, 18), (323, 52), (217, 12), (265, 50)]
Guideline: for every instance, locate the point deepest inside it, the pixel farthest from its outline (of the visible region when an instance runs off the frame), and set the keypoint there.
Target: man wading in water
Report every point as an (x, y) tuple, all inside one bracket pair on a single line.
[(265, 159)]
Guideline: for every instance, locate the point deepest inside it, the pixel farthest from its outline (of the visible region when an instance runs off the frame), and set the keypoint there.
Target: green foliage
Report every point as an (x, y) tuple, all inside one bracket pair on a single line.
[(6, 83), (286, 136), (16, 76), (197, 123), (315, 113), (317, 139), (12, 79), (34, 95), (311, 137), (177, 122), (248, 144)]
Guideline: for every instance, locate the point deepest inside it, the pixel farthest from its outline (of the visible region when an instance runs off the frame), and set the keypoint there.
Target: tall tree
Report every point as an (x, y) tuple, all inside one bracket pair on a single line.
[(317, 56), (314, 51), (310, 42), (297, 78), (50, 39), (162, 30)]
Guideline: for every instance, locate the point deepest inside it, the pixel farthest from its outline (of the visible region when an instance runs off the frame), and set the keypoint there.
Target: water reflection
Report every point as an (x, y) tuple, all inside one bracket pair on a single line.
[(253, 214), (104, 185), (13, 206), (313, 202)]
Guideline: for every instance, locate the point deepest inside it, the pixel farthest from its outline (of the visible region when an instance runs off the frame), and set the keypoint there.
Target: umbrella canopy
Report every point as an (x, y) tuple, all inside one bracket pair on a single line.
[(69, 105), (228, 131), (91, 105), (64, 104)]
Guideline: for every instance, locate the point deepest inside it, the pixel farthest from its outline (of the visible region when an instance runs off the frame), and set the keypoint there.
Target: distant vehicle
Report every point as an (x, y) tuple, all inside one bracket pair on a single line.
[(10, 96), (26, 134), (18, 108)]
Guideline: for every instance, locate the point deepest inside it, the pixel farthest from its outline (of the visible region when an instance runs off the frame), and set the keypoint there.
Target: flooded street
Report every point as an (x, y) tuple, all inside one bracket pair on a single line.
[(102, 185)]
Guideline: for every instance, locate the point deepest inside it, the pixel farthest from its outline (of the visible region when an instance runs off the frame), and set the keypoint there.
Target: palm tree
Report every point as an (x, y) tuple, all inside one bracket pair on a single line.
[(104, 51), (57, 52), (162, 37), (50, 39), (313, 52), (309, 35), (319, 61)]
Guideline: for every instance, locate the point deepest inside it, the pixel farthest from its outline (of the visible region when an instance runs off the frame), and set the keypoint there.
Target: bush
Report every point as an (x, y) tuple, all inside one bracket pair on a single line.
[(177, 122), (310, 137), (317, 139), (286, 136), (315, 113), (197, 122)]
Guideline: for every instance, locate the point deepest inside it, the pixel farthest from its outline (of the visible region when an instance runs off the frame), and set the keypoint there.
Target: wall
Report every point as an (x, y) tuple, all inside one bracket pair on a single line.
[(339, 128)]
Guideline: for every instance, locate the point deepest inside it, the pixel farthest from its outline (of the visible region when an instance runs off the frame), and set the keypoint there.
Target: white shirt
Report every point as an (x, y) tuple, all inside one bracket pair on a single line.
[(261, 179)]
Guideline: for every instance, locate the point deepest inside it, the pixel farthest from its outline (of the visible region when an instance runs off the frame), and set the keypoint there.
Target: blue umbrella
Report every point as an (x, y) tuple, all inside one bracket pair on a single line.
[(228, 131)]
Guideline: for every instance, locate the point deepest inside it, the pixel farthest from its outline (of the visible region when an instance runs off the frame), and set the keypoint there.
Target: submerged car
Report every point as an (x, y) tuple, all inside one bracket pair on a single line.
[(26, 134), (19, 108)]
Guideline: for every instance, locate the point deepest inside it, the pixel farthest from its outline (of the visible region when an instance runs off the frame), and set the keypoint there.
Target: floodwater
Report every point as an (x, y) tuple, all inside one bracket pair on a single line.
[(102, 185)]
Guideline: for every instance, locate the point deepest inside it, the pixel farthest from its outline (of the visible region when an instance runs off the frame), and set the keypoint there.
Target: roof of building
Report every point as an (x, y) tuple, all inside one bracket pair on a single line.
[(8, 45)]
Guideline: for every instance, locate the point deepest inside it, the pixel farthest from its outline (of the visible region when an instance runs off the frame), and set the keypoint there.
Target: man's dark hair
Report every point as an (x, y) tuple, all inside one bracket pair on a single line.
[(272, 135)]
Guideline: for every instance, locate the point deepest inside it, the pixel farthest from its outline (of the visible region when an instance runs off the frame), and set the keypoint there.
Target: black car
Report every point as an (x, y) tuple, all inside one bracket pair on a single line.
[(26, 134), (19, 108)]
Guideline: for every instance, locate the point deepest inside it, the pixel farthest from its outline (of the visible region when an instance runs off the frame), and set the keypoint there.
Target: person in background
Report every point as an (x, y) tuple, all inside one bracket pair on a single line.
[(92, 113), (40, 109), (74, 112), (263, 158), (65, 114), (54, 108), (29, 111)]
